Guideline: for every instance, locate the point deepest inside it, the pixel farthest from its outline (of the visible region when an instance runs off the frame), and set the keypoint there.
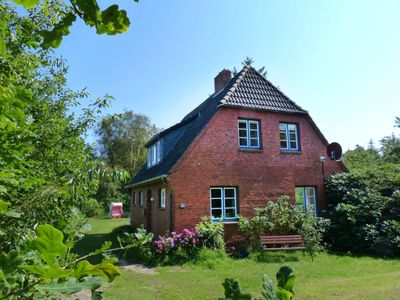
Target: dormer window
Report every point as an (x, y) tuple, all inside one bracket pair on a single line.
[(154, 154)]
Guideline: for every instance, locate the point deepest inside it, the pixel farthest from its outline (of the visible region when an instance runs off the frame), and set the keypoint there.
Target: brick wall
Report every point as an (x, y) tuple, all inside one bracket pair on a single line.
[(259, 175), (160, 217)]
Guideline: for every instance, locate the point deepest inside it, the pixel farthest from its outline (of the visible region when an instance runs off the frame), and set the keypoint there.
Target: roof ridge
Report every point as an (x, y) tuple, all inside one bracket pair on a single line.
[(283, 94), (234, 86)]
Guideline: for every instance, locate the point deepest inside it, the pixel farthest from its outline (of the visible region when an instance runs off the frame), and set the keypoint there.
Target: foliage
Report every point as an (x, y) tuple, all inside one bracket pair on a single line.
[(122, 138), (140, 241), (283, 291), (46, 267), (212, 233), (210, 258), (281, 218), (364, 212), (178, 247), (111, 20)]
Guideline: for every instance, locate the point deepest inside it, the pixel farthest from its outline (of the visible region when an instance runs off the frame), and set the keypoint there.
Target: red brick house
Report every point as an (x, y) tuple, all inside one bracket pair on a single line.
[(243, 146)]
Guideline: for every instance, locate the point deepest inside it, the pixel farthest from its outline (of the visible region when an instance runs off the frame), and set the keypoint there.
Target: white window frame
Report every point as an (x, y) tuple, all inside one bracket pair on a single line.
[(287, 139), (133, 198), (223, 207), (248, 122), (306, 198), (162, 198), (154, 154), (140, 198)]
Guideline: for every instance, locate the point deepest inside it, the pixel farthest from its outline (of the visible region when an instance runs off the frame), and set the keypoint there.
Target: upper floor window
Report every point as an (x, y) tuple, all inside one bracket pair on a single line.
[(249, 133), (162, 198), (154, 154), (289, 136), (223, 203), (305, 198)]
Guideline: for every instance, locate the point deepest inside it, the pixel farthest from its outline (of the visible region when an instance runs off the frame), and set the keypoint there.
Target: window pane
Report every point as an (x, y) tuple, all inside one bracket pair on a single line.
[(242, 124), (230, 213), (292, 127), (216, 203), (283, 144), (254, 142), (293, 136), (282, 136), (229, 203), (282, 127), (310, 191), (216, 213), (253, 125), (243, 141), (229, 192), (300, 196), (216, 193), (293, 145), (253, 134), (242, 133)]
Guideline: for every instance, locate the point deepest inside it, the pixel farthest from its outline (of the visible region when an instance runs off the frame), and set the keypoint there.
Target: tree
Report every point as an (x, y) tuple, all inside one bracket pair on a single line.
[(122, 138), (111, 20), (46, 167)]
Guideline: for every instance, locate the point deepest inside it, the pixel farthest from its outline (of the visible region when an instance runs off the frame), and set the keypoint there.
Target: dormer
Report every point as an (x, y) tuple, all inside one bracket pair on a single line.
[(154, 153)]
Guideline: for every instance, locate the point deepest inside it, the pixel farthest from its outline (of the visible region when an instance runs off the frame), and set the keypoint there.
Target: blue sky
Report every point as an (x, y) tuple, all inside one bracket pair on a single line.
[(340, 60)]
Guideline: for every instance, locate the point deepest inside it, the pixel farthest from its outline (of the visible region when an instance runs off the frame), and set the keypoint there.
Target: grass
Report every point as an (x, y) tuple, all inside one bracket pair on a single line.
[(327, 277), (99, 233)]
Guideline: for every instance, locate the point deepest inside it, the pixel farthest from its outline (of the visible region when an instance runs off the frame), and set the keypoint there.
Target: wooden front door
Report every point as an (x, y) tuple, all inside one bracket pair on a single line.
[(149, 210)]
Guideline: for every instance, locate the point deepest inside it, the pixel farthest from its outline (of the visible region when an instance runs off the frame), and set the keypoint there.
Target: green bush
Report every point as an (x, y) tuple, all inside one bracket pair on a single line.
[(210, 258), (281, 218), (90, 207), (283, 290), (364, 213), (212, 233)]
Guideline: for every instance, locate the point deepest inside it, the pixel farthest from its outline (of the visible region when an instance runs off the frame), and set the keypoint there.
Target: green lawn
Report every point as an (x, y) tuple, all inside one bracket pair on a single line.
[(327, 277)]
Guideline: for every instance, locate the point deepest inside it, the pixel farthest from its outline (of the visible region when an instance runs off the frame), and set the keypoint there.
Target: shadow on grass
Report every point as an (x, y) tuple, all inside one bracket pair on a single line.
[(90, 243)]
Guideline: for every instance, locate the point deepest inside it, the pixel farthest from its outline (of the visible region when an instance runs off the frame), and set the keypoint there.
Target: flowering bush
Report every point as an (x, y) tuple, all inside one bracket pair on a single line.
[(178, 246)]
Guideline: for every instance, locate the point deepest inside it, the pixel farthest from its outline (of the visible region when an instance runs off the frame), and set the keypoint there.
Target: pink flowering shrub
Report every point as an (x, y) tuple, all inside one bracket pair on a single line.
[(178, 246)]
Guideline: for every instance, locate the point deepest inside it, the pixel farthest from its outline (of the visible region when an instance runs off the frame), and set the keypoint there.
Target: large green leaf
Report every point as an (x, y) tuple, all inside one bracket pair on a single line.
[(106, 269), (49, 243), (48, 271), (112, 21), (9, 262), (71, 286), (52, 38), (286, 278), (3, 206), (27, 3), (283, 294)]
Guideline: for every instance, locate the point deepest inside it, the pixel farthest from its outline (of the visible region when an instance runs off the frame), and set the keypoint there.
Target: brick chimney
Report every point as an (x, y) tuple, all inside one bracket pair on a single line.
[(222, 79)]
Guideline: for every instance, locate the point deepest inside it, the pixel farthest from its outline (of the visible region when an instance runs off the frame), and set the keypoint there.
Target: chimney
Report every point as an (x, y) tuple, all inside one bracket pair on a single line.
[(221, 80)]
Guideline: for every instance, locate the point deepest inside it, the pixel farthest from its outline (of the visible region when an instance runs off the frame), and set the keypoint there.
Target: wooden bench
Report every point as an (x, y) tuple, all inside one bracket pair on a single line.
[(288, 242)]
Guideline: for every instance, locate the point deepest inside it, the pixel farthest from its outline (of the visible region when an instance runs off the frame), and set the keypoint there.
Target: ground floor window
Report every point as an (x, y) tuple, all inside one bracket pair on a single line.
[(162, 198), (141, 198), (223, 203), (306, 198)]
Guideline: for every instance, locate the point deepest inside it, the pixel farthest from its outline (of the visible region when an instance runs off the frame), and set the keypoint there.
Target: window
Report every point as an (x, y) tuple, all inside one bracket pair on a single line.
[(249, 134), (288, 136), (305, 198), (154, 154), (141, 198), (223, 202), (162, 198), (133, 199)]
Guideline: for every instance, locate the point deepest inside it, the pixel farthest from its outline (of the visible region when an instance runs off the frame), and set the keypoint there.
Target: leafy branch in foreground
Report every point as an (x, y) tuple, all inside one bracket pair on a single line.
[(46, 267), (283, 291), (111, 20)]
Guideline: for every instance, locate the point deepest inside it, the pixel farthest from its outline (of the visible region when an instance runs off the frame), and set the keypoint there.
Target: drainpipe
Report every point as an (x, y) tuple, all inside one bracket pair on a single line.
[(171, 205)]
